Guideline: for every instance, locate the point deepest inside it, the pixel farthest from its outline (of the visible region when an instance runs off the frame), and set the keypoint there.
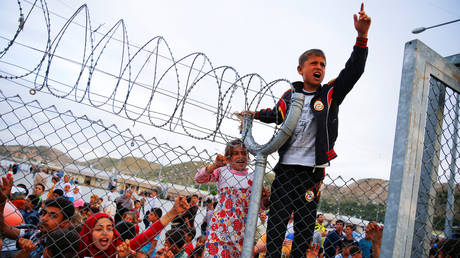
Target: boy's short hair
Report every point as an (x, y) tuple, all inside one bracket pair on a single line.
[(355, 250), (339, 221), (191, 232), (40, 184), (66, 206), (95, 209), (59, 192), (126, 229), (157, 211), (233, 144), (176, 237), (129, 213), (311, 52), (33, 199), (62, 243)]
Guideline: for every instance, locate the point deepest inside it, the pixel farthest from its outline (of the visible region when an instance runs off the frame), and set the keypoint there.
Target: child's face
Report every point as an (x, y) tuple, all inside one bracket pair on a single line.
[(239, 158), (313, 70), (38, 190), (137, 205), (129, 218), (152, 217)]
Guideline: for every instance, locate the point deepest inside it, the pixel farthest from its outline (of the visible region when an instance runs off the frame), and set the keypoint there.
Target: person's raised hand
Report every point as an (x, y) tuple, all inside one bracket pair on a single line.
[(124, 250), (362, 23), (27, 244), (312, 251), (181, 204), (375, 232), (6, 186)]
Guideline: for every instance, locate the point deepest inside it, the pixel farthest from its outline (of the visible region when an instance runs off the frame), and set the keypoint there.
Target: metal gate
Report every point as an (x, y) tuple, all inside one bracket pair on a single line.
[(425, 172)]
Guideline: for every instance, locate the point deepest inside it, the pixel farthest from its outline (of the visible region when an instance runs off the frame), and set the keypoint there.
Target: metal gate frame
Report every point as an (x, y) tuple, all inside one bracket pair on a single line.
[(411, 185)]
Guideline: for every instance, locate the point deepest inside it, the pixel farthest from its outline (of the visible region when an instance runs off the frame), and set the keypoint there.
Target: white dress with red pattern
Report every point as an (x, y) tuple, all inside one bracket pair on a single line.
[(226, 229)]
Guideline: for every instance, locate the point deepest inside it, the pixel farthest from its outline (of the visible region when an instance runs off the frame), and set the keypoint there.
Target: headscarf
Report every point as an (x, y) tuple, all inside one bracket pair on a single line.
[(87, 247)]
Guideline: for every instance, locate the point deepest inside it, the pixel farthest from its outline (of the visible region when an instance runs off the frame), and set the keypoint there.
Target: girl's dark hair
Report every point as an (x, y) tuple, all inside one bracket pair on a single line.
[(126, 229), (233, 144)]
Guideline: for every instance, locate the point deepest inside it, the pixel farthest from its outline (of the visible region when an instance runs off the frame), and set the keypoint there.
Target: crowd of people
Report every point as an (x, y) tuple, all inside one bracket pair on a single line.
[(55, 221)]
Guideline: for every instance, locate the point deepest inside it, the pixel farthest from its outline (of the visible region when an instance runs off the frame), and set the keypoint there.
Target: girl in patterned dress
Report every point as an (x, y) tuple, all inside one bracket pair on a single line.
[(226, 228)]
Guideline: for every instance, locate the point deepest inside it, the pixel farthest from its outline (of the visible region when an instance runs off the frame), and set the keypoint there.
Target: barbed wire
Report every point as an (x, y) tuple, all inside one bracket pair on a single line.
[(189, 74)]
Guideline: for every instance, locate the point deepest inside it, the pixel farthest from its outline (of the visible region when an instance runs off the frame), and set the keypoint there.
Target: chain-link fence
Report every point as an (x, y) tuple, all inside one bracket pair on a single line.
[(75, 172), (43, 145), (439, 197), (423, 206)]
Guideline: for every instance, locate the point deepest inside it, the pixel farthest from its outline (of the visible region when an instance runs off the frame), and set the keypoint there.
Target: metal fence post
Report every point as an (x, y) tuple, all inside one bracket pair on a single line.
[(450, 190), (261, 152)]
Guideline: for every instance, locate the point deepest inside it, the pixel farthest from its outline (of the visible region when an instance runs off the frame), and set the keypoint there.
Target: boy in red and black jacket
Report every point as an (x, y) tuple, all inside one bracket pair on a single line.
[(303, 158)]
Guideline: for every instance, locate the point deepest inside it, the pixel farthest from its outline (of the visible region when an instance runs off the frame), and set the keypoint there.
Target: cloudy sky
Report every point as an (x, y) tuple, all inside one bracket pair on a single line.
[(263, 37)]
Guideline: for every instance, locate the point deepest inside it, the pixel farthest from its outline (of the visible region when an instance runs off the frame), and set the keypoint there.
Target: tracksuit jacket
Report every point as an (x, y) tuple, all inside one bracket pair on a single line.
[(325, 104)]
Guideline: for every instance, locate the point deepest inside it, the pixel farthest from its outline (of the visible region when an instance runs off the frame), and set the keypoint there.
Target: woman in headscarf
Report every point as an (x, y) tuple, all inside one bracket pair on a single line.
[(99, 238), (68, 193)]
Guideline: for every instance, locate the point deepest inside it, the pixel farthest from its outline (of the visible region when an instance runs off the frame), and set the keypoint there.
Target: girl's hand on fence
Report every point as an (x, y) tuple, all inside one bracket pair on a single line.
[(221, 161), (124, 250)]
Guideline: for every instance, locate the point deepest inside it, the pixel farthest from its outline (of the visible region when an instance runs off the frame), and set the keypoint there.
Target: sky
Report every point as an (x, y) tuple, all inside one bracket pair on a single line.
[(263, 37)]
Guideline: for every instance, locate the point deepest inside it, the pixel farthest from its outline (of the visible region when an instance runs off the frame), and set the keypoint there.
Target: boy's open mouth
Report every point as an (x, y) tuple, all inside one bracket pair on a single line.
[(317, 75)]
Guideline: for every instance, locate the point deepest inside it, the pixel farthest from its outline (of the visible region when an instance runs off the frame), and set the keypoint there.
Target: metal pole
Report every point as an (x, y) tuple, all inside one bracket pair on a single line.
[(253, 211), (261, 152), (450, 191)]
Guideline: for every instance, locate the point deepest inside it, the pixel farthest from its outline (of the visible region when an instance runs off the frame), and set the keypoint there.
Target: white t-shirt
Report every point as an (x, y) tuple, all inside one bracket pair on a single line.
[(301, 148)]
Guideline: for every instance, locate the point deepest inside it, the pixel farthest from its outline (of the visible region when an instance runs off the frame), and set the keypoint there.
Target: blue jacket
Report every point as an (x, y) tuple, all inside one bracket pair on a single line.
[(332, 241)]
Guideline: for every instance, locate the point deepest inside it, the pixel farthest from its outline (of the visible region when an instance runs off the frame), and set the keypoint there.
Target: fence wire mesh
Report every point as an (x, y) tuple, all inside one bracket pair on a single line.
[(439, 196), (41, 145), (97, 167)]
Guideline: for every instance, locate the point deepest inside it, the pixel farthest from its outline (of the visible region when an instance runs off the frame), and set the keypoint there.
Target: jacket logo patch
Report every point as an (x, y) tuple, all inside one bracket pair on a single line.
[(309, 195), (318, 106)]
